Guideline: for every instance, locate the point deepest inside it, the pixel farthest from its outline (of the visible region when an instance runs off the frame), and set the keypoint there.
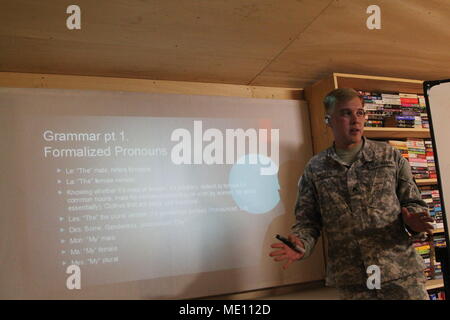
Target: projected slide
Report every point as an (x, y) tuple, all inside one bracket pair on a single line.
[(146, 194), (175, 195)]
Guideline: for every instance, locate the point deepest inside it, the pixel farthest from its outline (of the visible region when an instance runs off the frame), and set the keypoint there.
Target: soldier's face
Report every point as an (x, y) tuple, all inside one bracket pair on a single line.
[(347, 123)]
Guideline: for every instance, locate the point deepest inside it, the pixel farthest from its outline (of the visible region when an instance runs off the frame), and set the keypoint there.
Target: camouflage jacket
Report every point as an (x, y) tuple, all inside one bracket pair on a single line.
[(359, 210)]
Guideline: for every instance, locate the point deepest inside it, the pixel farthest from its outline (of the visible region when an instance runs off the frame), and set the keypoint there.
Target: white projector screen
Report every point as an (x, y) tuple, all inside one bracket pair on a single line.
[(437, 94), (145, 194)]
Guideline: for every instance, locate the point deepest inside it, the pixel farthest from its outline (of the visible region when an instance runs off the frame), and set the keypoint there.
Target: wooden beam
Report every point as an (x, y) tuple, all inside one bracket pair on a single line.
[(35, 80)]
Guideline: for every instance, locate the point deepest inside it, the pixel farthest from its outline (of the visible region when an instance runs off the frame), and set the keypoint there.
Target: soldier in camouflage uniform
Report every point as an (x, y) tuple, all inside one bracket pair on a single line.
[(362, 195)]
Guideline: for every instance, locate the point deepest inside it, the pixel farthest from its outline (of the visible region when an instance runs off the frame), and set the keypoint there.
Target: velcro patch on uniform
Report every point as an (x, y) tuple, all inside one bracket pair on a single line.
[(326, 175), (378, 164)]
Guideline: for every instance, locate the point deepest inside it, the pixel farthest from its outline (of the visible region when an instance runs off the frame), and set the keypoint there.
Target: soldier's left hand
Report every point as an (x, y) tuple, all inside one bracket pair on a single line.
[(418, 222)]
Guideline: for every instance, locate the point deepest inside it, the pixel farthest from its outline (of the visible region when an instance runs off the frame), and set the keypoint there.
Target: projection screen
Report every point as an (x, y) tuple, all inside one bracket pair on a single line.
[(149, 196)]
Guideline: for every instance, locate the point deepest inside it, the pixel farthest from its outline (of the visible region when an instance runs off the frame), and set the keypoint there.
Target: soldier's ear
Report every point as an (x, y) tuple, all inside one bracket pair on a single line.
[(327, 120)]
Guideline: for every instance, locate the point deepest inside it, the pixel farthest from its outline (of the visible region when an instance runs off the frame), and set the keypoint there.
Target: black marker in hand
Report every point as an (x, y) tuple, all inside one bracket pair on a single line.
[(290, 244)]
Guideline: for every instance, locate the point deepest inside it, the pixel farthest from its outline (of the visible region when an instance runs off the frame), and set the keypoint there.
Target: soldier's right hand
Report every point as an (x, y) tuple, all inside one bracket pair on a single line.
[(286, 253)]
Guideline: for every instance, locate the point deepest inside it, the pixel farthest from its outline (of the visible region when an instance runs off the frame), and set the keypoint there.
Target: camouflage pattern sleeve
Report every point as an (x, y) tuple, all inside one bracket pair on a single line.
[(408, 194), (307, 215)]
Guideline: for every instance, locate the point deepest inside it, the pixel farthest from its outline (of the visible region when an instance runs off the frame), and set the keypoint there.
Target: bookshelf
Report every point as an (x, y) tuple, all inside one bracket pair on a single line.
[(393, 133), (435, 284), (322, 135)]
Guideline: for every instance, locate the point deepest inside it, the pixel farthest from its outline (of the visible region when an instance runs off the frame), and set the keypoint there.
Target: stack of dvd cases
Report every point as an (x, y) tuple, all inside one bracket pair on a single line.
[(423, 112), (410, 111), (417, 158), (373, 106), (430, 159), (431, 196), (402, 110)]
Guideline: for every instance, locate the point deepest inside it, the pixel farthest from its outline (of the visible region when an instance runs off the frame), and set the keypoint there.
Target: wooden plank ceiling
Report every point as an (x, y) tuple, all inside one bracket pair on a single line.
[(281, 43)]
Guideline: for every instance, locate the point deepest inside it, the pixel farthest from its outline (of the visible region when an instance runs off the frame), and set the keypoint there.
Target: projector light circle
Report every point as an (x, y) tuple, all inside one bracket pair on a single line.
[(252, 191)]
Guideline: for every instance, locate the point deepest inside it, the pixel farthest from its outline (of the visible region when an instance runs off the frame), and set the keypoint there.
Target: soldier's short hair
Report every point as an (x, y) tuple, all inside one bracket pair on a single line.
[(338, 96)]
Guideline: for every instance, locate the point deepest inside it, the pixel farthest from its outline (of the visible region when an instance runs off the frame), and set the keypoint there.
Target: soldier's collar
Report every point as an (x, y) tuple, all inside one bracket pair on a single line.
[(366, 152), (331, 153)]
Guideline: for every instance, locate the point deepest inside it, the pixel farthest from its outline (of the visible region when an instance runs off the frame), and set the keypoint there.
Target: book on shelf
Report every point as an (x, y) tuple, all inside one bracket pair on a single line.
[(439, 295)]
